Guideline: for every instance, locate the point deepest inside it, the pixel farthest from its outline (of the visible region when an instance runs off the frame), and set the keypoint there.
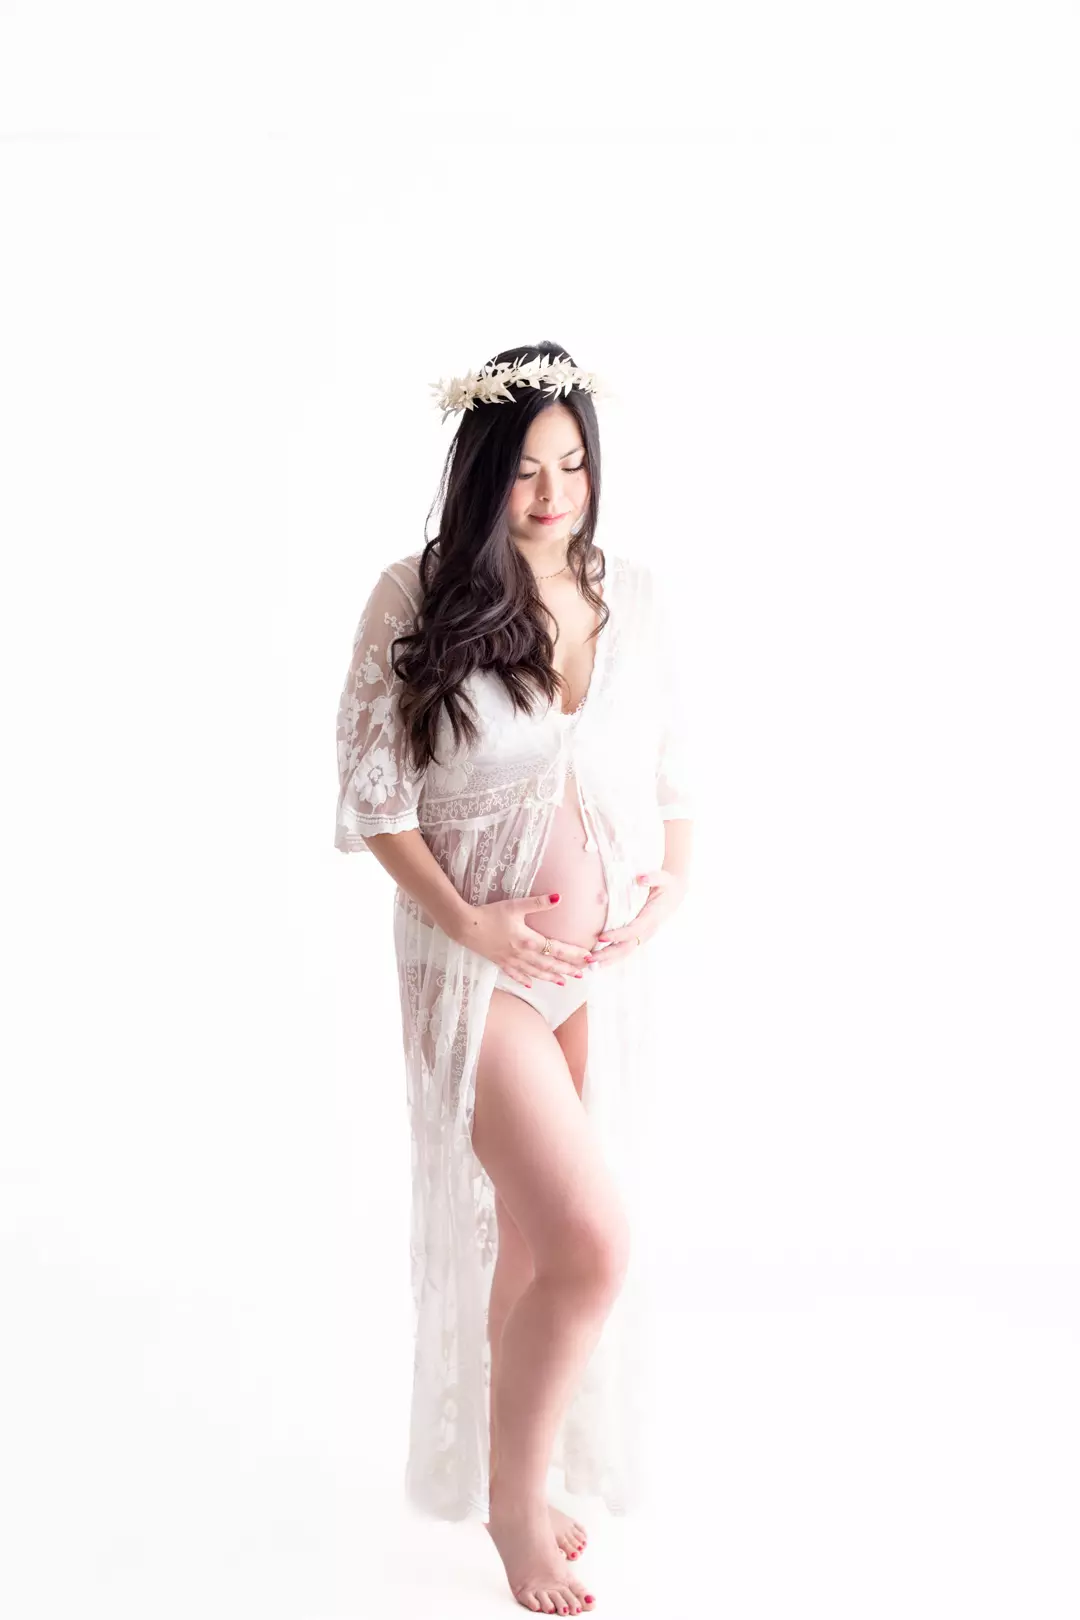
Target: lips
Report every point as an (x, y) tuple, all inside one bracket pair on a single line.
[(555, 517)]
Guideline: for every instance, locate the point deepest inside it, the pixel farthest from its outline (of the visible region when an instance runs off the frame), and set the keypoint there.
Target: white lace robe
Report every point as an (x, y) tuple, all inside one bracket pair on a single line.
[(485, 814)]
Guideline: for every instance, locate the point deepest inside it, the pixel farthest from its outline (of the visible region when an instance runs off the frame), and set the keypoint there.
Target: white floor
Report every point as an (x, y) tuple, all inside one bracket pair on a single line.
[(862, 1446)]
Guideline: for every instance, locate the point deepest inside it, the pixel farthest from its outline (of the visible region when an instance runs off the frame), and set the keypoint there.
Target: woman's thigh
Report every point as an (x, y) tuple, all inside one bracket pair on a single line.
[(538, 1145), (573, 1037), (514, 1254)]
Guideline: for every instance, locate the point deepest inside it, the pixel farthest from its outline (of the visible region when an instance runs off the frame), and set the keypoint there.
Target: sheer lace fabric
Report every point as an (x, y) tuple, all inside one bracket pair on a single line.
[(486, 813)]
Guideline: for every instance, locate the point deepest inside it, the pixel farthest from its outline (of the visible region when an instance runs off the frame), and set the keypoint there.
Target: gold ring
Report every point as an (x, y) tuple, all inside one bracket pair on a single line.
[(547, 949)]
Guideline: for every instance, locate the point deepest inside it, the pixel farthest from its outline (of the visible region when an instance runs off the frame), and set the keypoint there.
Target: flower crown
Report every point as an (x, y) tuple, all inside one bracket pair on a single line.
[(491, 385)]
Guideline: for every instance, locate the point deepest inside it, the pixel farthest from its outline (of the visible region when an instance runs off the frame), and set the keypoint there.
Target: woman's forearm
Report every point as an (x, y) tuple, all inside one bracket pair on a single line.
[(409, 861), (678, 842)]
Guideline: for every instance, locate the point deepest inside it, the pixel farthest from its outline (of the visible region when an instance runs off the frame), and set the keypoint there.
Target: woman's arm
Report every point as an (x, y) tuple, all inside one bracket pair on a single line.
[(409, 861), (678, 844)]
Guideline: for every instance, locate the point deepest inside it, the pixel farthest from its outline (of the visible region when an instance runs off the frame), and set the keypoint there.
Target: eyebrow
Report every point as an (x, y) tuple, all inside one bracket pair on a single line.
[(563, 457)]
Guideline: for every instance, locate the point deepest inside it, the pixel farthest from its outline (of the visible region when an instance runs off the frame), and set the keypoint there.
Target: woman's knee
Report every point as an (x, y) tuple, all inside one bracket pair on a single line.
[(593, 1248)]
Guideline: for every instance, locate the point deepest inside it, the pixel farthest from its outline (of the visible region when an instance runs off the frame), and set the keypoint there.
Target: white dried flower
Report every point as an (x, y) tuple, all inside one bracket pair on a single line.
[(492, 384)]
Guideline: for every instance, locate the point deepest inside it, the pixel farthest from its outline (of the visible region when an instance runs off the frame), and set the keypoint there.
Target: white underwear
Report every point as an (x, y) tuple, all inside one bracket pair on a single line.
[(554, 1002)]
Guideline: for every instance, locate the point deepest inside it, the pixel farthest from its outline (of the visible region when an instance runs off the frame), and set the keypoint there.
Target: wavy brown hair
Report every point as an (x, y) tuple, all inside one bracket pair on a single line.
[(480, 608)]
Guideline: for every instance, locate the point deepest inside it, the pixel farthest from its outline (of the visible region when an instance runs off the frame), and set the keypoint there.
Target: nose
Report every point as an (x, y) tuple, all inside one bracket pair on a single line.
[(549, 492)]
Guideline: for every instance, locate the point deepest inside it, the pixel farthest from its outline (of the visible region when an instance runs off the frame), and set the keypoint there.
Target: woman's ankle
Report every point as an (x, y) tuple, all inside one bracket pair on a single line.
[(512, 1499)]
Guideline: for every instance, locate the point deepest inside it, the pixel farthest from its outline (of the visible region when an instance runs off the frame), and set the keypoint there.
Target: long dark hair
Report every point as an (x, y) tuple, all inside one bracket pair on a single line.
[(480, 608)]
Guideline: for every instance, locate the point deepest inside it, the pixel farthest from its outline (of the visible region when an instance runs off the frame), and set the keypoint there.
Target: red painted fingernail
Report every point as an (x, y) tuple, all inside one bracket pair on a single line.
[(553, 897), (560, 981)]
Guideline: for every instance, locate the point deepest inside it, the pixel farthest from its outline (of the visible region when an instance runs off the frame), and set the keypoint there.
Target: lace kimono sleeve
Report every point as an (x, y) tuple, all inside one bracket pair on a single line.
[(378, 788), (677, 743)]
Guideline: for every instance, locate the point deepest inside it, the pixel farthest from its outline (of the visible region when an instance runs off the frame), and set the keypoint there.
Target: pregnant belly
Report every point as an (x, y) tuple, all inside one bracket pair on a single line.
[(575, 874)]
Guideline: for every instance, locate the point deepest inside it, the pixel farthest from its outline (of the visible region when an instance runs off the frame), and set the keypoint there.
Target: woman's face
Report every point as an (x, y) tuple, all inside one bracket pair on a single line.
[(552, 479)]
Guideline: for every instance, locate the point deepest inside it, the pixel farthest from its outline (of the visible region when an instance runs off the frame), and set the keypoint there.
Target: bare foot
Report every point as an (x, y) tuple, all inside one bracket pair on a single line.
[(534, 1567), (569, 1534)]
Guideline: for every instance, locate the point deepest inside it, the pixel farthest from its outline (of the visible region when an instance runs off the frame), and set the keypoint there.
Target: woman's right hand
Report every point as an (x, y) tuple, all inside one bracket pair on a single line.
[(499, 931)]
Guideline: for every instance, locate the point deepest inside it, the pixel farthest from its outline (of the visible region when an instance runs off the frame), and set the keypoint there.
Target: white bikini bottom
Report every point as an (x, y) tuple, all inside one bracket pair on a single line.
[(554, 1002)]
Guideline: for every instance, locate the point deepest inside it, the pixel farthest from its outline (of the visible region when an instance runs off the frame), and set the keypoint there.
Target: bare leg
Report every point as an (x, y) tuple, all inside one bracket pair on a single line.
[(548, 1338), (513, 1273), (537, 1144)]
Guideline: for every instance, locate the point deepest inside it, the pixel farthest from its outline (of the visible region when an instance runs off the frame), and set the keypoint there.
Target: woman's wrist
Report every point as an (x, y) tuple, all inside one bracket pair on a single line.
[(454, 916)]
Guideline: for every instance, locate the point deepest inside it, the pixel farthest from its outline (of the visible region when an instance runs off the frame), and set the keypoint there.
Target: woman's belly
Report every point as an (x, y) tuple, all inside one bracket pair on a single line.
[(575, 874)]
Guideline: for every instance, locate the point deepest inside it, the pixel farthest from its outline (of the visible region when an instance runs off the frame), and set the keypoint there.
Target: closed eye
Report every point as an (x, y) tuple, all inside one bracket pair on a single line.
[(526, 476)]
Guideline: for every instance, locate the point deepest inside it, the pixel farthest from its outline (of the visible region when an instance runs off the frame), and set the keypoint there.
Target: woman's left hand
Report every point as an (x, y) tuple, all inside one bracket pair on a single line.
[(667, 890)]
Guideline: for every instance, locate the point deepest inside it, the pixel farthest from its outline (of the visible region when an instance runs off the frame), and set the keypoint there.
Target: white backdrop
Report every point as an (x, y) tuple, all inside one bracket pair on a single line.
[(828, 258)]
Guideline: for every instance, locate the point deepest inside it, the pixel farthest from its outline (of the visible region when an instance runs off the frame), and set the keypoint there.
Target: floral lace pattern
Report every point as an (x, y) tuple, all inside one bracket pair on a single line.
[(485, 814), (378, 788)]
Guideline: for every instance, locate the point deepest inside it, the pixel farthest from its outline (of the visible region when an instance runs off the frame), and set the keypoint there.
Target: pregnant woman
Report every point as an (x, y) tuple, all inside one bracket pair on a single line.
[(513, 748)]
